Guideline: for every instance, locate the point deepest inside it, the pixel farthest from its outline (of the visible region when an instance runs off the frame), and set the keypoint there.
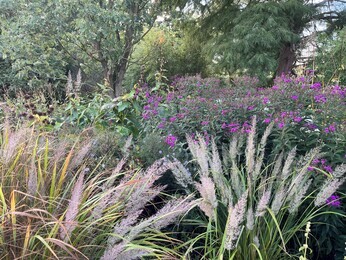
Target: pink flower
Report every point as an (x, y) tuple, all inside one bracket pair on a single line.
[(180, 115), (315, 161), (297, 119), (334, 201), (294, 97), (316, 86), (328, 168), (320, 98), (265, 100), (267, 120), (281, 125), (171, 140), (161, 125)]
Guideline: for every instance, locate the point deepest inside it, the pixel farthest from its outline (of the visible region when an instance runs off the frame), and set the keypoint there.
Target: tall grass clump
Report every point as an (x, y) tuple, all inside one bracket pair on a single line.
[(54, 206), (252, 208)]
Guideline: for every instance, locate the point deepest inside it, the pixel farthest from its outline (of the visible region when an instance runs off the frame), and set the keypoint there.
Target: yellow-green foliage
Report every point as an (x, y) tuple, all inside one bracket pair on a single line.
[(52, 206)]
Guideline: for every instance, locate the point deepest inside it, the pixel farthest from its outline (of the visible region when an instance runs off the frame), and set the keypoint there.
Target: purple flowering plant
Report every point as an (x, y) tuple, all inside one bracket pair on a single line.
[(304, 112), (334, 201)]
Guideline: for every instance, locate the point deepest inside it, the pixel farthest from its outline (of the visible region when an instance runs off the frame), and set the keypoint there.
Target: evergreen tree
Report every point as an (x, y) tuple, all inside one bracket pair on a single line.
[(259, 37)]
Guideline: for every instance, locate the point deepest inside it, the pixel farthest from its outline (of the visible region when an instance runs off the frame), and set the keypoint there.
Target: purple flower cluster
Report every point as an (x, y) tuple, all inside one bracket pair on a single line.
[(151, 108), (171, 140), (337, 90), (330, 129), (334, 201), (320, 98), (236, 127), (293, 103), (322, 164), (316, 86)]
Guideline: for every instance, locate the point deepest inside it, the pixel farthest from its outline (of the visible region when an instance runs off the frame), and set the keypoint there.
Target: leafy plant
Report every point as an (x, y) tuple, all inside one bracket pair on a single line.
[(103, 112)]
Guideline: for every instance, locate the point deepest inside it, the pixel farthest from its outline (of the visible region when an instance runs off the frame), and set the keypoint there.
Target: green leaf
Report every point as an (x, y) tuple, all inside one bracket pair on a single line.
[(122, 105)]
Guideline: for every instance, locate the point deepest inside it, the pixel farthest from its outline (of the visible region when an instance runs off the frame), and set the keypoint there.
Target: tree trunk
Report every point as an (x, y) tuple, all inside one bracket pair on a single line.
[(121, 67), (287, 59)]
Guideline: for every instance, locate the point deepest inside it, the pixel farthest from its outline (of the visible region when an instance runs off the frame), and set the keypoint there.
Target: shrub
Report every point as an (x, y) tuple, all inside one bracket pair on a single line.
[(101, 112), (303, 112)]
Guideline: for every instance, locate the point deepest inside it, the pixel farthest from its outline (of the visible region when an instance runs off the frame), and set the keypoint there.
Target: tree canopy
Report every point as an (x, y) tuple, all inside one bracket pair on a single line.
[(42, 37), (260, 37), (41, 40)]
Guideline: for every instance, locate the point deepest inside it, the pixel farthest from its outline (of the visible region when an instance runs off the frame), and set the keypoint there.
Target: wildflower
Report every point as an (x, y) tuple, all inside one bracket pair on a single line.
[(281, 125), (170, 97), (316, 86), (161, 125), (250, 107), (294, 97), (320, 98), (204, 123), (180, 115), (234, 129), (275, 87), (330, 129), (301, 79), (173, 119), (284, 114), (146, 115), (267, 120), (334, 201), (297, 119), (328, 168), (315, 161), (287, 80), (310, 168), (171, 140), (265, 100), (311, 126)]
